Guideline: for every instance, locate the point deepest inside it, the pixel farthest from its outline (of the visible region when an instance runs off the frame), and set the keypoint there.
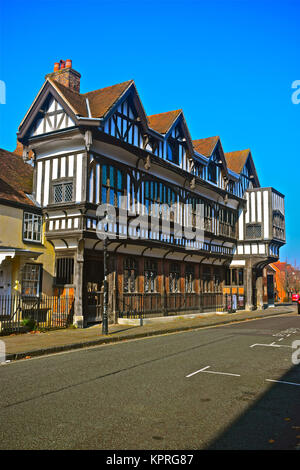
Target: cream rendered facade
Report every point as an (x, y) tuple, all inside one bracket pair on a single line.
[(15, 253)]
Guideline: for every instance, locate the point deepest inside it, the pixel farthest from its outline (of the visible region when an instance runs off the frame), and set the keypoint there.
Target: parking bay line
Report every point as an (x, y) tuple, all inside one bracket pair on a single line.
[(282, 382), (237, 375), (211, 372), (271, 345)]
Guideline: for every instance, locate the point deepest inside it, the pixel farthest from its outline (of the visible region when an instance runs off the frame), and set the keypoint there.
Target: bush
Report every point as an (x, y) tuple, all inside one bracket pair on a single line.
[(29, 323)]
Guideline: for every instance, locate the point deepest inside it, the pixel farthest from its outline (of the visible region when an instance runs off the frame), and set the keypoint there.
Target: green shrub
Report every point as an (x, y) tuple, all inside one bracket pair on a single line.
[(29, 323)]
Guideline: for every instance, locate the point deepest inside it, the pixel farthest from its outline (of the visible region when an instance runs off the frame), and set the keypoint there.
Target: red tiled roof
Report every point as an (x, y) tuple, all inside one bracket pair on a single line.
[(206, 146), (162, 122), (236, 160), (15, 178), (8, 193), (100, 101)]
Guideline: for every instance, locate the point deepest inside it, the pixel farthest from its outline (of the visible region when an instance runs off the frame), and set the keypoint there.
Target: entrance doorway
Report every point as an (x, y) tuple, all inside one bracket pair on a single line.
[(5, 289), (270, 289), (94, 290)]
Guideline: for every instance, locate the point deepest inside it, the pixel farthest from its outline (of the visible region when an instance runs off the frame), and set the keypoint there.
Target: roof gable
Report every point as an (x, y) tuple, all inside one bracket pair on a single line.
[(50, 92), (206, 146), (163, 122), (211, 148), (237, 160), (103, 100), (51, 117), (76, 101)]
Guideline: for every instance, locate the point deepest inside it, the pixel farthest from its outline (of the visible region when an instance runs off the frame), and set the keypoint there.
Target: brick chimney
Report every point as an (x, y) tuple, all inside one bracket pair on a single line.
[(20, 149), (64, 74)]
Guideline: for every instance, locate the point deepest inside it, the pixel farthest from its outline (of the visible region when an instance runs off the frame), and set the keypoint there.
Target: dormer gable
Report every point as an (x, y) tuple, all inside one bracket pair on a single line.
[(241, 162), (124, 117), (52, 117), (173, 128), (212, 149), (50, 112)]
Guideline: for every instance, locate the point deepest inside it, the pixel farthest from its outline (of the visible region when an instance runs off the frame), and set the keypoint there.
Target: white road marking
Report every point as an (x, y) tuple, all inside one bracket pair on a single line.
[(282, 382), (211, 372), (197, 371), (272, 345), (280, 339)]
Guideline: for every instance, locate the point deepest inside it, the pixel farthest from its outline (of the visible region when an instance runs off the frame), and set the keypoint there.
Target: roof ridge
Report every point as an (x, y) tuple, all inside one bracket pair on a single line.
[(205, 138), (166, 112), (239, 151), (106, 87), (55, 82)]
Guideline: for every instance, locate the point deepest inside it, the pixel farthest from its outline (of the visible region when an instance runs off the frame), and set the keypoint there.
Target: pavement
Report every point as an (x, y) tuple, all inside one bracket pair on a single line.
[(25, 346)]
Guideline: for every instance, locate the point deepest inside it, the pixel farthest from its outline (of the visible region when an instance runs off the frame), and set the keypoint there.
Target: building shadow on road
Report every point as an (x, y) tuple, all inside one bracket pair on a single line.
[(272, 422)]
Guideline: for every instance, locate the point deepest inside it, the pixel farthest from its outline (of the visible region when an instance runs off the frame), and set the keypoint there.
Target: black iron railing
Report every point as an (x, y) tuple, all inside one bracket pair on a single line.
[(19, 313), (136, 305)]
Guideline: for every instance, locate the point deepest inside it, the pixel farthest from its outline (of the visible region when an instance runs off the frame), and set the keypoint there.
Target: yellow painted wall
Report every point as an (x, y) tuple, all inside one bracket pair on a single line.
[(11, 226)]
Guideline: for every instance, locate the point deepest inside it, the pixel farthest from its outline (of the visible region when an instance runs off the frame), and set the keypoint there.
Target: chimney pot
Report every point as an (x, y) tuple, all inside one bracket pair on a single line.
[(64, 74)]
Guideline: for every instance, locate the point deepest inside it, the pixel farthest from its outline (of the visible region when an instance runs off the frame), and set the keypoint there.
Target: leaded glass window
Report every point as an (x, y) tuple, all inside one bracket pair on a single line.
[(189, 278), (32, 227), (174, 278), (130, 275), (112, 187), (63, 192), (31, 279), (150, 276)]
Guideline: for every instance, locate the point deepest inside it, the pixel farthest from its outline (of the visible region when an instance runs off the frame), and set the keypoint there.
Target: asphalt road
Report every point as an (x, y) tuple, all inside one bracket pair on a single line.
[(226, 387)]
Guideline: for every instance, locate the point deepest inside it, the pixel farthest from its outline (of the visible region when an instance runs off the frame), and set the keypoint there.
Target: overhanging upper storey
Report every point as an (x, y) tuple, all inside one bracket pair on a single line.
[(262, 223)]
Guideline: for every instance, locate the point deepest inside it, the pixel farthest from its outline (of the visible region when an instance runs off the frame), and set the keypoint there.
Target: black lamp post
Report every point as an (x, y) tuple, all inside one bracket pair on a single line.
[(105, 290)]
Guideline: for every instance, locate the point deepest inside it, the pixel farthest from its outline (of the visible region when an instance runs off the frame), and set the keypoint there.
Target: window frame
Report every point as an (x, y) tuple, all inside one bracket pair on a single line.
[(174, 276), (152, 280), (70, 274), (37, 280), (111, 189), (130, 265), (173, 150), (189, 279), (33, 215), (63, 183)]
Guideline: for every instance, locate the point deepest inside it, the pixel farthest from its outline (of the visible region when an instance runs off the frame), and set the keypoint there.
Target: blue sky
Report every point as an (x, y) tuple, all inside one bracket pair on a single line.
[(229, 65)]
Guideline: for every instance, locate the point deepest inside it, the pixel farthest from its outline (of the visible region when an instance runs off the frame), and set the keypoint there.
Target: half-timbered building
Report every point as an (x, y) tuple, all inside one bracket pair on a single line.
[(94, 148)]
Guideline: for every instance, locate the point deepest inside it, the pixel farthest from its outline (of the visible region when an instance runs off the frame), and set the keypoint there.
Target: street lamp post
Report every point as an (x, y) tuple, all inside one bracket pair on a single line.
[(105, 290)]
